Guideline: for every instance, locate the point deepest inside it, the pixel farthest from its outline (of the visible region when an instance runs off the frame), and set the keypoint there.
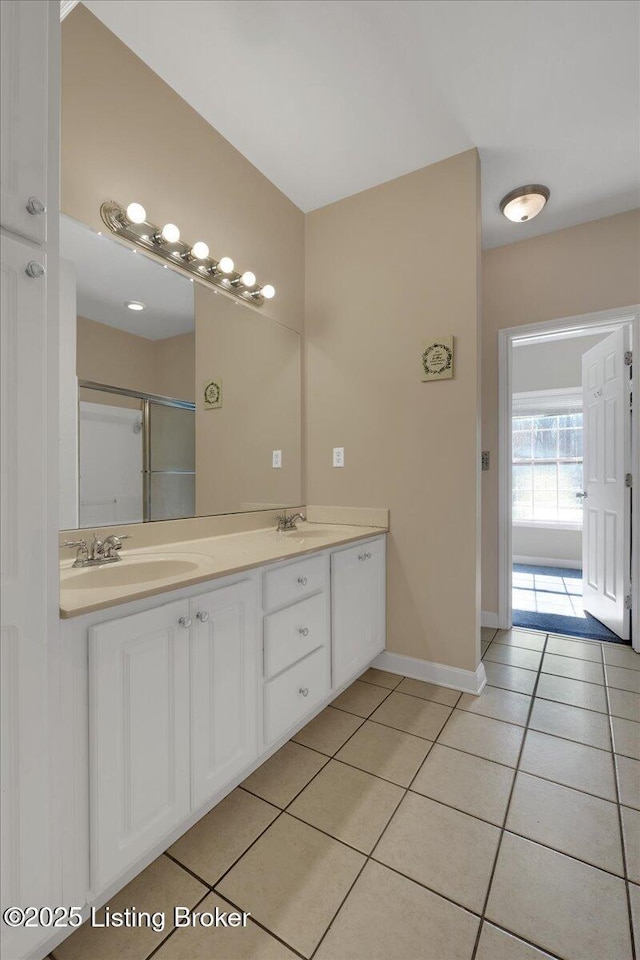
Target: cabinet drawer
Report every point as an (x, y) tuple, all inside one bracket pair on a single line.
[(294, 693), (292, 633), (293, 581)]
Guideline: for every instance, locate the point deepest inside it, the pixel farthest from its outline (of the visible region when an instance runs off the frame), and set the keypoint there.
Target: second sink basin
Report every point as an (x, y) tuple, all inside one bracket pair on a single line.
[(125, 572)]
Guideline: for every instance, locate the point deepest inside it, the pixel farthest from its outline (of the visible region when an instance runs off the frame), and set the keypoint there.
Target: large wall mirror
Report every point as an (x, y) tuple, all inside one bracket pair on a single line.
[(177, 401)]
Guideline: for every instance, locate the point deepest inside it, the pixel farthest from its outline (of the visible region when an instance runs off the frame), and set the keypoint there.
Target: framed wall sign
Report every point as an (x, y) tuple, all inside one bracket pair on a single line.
[(437, 359)]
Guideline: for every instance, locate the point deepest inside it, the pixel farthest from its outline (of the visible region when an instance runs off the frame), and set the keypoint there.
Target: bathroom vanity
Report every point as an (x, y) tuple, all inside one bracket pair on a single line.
[(177, 686)]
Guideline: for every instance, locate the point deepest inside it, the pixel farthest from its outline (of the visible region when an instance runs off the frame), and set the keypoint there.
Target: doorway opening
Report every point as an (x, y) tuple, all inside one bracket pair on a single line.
[(568, 452)]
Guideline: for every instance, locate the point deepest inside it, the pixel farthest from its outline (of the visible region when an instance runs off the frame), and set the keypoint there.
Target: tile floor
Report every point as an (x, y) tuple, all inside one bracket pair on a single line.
[(409, 822)]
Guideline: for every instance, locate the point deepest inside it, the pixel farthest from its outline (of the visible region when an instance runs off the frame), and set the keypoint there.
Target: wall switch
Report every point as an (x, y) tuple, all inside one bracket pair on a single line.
[(338, 456), (277, 459)]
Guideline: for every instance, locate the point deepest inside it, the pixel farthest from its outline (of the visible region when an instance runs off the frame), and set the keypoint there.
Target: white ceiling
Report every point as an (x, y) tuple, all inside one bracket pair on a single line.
[(109, 273), (330, 97)]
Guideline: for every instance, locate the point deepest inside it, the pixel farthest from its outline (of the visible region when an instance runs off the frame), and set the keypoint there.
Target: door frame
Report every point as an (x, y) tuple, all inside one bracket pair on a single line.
[(603, 321)]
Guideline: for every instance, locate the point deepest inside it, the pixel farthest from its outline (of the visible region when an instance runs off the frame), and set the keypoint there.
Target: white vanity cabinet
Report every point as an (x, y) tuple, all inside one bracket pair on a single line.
[(358, 577)]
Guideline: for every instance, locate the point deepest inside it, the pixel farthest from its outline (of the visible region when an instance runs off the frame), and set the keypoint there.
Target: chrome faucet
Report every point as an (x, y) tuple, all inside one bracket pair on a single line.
[(288, 522), (100, 551)]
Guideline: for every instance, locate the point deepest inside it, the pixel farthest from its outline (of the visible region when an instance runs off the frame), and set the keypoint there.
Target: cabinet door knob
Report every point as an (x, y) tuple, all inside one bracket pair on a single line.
[(185, 622), (202, 616), (362, 556), (35, 270), (304, 631), (302, 581), (304, 691), (35, 207), (368, 555)]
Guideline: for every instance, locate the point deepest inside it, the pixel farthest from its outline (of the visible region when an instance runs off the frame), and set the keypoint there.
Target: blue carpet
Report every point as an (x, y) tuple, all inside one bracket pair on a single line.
[(568, 582)]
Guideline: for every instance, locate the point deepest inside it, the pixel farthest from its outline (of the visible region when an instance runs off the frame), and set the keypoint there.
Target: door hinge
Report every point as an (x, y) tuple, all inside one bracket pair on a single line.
[(628, 479), (628, 358), (627, 602)]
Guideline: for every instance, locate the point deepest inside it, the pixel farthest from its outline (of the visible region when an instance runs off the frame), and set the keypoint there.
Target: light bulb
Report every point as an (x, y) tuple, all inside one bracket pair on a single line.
[(225, 265), (268, 291), (200, 250), (248, 279), (136, 213), (170, 233), (135, 305)]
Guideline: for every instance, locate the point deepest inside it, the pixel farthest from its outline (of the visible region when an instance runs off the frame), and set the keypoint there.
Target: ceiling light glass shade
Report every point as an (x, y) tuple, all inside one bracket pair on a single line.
[(170, 233), (135, 304), (226, 265), (136, 213), (200, 250), (248, 278), (524, 203), (268, 292)]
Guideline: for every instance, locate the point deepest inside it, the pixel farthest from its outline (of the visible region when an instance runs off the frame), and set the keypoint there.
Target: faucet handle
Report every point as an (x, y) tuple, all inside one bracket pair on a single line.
[(73, 543)]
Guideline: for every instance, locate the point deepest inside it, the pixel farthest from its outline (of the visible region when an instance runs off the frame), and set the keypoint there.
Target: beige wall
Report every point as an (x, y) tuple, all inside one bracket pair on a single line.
[(583, 269), (387, 270), (126, 135)]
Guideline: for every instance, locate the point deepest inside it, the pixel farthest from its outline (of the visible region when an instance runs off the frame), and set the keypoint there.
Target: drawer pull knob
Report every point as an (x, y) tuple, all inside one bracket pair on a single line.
[(202, 616), (185, 622), (34, 270), (304, 631), (304, 691), (35, 206), (302, 581)]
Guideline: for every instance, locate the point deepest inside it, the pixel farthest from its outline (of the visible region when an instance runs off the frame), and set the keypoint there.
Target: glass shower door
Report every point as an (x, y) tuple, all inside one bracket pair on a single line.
[(171, 467)]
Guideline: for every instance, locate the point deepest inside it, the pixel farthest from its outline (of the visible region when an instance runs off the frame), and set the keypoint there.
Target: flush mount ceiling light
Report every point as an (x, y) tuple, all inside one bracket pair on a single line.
[(194, 258), (524, 203)]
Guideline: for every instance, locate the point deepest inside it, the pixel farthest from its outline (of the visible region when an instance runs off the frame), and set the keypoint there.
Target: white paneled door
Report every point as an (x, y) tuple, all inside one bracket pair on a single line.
[(606, 541)]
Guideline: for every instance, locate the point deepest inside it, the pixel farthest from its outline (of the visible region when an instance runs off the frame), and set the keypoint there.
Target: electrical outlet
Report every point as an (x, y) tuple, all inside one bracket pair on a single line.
[(277, 459), (485, 459), (338, 456)]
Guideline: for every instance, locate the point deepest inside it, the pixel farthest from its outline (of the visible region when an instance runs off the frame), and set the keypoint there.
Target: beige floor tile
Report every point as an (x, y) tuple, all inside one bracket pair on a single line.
[(413, 715), (574, 648), (382, 678), (589, 696), (432, 844), (623, 703), (429, 691), (471, 784), (572, 723), (510, 678), (572, 764), (284, 774), (388, 916), (360, 698), (497, 945), (628, 781), (222, 943), (487, 634), (566, 907), (574, 823), (634, 897), (616, 655), (293, 880), (514, 656), (623, 679), (626, 737), (484, 737), (213, 843), (159, 888), (499, 704), (349, 804), (385, 752), (631, 831), (521, 638), (328, 731), (573, 667)]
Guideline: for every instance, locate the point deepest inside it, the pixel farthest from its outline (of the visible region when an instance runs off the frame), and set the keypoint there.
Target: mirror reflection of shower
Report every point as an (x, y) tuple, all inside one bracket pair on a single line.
[(137, 456)]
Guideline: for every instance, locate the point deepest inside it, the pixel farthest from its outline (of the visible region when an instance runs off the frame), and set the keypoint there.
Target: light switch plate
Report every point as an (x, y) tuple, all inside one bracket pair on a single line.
[(277, 459), (338, 456)]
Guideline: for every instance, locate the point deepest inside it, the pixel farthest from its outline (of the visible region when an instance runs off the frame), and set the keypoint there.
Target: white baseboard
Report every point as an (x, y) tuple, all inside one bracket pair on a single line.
[(489, 619), (549, 562), (469, 681)]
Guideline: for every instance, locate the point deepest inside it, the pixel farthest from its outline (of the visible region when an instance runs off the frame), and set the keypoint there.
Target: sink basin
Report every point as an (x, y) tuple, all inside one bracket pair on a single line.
[(127, 572)]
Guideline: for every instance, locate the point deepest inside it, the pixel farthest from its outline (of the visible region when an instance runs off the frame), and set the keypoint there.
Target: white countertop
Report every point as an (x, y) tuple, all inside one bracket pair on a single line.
[(181, 564)]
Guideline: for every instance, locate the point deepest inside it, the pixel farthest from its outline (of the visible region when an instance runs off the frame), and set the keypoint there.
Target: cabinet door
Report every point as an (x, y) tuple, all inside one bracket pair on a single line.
[(224, 687), (358, 579), (24, 32), (139, 735)]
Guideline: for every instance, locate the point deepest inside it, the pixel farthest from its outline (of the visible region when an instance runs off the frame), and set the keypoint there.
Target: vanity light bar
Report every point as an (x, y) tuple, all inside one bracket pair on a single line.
[(165, 242)]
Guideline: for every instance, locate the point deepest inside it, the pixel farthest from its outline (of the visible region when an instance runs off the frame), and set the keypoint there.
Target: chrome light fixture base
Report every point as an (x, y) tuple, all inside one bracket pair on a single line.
[(148, 236)]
